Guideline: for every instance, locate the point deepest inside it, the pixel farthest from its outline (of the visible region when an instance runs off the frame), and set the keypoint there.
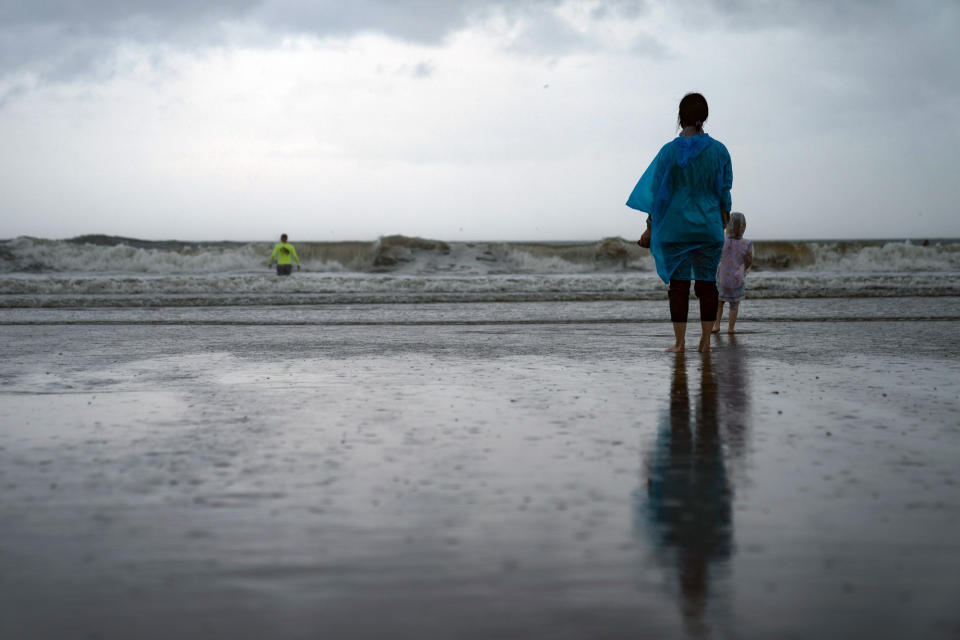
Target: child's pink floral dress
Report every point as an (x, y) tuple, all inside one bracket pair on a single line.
[(731, 272)]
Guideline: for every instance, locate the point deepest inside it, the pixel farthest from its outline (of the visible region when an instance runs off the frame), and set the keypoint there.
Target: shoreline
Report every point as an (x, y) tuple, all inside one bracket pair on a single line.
[(113, 240), (892, 309)]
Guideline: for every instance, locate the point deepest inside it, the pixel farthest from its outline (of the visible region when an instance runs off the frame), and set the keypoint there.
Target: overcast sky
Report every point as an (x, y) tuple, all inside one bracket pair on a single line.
[(480, 119)]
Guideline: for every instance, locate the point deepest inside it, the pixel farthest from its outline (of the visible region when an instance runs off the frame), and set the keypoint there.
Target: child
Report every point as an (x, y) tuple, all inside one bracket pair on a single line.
[(736, 260)]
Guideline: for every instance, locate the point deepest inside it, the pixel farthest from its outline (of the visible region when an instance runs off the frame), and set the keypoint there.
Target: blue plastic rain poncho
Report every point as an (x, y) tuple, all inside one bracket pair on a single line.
[(684, 190)]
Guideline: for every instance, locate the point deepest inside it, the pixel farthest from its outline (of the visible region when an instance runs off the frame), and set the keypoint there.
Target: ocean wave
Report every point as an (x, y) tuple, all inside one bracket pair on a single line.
[(407, 255), (858, 256)]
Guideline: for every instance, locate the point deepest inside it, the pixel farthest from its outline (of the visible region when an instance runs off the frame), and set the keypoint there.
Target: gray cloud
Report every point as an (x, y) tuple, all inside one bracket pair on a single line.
[(425, 21), (822, 15), (64, 39), (99, 14), (872, 56), (56, 39)]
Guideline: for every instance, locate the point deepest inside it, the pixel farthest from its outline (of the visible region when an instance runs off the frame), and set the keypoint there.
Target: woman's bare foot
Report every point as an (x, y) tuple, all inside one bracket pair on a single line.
[(679, 337), (716, 328), (730, 330), (704, 344), (706, 329)]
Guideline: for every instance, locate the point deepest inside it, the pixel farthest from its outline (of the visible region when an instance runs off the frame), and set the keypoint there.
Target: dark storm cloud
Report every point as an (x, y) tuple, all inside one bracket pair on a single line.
[(823, 14), (880, 56), (103, 13), (57, 38), (63, 38), (426, 21)]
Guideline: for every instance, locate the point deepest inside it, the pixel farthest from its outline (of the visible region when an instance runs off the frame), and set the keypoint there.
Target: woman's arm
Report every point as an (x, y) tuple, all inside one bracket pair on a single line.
[(643, 195), (724, 180)]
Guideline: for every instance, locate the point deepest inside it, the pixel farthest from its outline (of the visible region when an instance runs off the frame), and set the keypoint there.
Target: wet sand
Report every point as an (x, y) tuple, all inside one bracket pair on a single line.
[(479, 481)]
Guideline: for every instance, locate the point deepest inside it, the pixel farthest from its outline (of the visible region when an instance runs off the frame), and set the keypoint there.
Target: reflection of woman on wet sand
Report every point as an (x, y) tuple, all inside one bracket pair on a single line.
[(686, 191), (688, 498)]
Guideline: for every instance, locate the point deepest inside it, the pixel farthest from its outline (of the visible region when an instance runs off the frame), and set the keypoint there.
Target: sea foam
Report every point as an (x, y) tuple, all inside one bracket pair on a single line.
[(118, 272), (410, 255)]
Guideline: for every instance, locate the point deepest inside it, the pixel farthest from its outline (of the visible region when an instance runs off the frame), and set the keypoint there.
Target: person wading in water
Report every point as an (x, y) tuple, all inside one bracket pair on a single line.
[(285, 255)]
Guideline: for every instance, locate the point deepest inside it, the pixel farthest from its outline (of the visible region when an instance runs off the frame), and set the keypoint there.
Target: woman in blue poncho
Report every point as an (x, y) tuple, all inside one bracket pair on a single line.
[(686, 191)]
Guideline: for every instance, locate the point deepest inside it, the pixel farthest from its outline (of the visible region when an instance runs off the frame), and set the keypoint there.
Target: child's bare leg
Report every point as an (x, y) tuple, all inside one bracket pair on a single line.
[(679, 334), (716, 325), (705, 330), (734, 310)]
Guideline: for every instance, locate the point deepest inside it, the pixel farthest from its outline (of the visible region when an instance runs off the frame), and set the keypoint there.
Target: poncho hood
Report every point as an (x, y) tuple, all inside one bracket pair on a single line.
[(737, 225), (690, 148)]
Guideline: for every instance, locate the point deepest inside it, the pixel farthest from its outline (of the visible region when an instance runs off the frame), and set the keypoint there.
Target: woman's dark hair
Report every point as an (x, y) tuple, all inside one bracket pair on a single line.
[(693, 111)]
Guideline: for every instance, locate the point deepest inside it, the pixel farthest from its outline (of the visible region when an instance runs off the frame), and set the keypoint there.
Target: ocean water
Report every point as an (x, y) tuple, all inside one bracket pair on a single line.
[(111, 272)]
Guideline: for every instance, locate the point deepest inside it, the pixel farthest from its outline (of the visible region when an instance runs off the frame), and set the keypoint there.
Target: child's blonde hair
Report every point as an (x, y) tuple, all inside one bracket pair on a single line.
[(737, 225)]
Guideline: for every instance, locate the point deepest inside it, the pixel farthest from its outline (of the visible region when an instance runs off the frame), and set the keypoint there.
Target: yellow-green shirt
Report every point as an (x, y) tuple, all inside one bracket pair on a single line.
[(284, 251)]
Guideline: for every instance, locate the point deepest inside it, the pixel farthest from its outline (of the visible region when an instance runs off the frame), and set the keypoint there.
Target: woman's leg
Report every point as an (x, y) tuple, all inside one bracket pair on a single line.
[(679, 295), (709, 297)]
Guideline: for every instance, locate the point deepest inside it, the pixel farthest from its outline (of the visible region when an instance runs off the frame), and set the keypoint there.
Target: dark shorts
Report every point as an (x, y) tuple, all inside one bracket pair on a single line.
[(697, 263), (284, 269)]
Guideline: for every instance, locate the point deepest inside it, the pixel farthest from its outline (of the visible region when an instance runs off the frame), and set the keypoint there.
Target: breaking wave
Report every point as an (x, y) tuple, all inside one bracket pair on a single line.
[(411, 255), (106, 271)]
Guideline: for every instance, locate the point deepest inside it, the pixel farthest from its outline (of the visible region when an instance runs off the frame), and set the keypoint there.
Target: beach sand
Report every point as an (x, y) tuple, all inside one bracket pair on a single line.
[(479, 481)]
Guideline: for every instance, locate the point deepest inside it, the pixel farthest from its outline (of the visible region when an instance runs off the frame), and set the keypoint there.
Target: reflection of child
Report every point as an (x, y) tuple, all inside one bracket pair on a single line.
[(736, 260)]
